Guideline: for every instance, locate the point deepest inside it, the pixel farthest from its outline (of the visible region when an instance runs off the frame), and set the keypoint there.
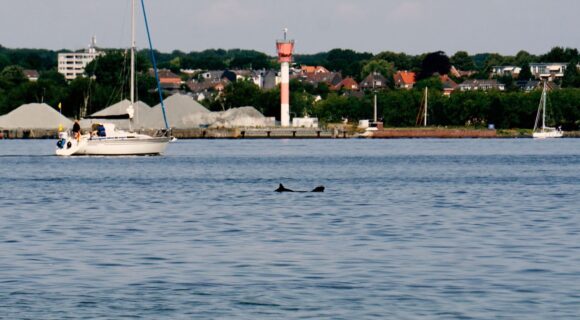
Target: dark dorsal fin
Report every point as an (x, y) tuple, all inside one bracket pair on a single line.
[(281, 188), (318, 189)]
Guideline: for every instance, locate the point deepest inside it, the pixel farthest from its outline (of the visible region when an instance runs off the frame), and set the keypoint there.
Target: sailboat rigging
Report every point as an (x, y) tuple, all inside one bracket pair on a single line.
[(422, 115), (543, 131), (108, 140)]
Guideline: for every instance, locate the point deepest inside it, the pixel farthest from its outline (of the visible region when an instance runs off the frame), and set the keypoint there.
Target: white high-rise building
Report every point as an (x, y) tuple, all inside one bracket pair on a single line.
[(73, 64)]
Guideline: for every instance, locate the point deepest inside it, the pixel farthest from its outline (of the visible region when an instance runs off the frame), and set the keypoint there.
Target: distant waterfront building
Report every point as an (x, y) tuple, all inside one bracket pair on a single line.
[(313, 69), (529, 85), (373, 81), (448, 85), (243, 74), (329, 78), (501, 71), (305, 122), (461, 73), (404, 79), (214, 76), (190, 72), (484, 85), (549, 71), (73, 64), (169, 81), (541, 71), (348, 84), (31, 75), (269, 80)]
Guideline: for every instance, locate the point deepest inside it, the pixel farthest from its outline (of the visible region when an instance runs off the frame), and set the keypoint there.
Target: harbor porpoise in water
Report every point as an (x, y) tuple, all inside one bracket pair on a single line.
[(281, 188)]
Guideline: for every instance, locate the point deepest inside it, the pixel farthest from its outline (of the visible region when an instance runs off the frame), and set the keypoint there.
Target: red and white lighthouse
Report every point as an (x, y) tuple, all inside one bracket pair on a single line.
[(285, 49)]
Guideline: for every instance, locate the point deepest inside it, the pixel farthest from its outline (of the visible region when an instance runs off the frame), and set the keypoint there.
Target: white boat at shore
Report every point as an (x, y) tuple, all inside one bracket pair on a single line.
[(544, 132), (108, 140), (371, 126)]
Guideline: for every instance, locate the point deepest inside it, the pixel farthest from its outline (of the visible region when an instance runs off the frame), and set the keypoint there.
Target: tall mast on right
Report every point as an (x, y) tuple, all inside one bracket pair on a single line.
[(425, 115), (544, 107), (132, 93)]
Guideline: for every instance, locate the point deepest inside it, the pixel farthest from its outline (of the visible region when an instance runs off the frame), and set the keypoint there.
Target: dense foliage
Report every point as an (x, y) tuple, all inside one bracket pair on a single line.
[(397, 107), (505, 110)]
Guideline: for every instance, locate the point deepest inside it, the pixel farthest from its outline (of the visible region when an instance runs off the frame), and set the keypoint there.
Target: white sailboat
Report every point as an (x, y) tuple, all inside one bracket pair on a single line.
[(375, 125), (544, 132), (110, 140)]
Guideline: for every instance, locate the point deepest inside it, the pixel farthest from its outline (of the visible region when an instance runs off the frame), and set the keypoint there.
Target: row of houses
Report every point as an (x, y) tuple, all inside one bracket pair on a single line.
[(205, 83), (540, 71), (209, 83)]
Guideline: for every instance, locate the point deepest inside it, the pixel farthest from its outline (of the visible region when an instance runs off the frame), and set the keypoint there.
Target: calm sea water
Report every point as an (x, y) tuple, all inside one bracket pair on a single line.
[(407, 229)]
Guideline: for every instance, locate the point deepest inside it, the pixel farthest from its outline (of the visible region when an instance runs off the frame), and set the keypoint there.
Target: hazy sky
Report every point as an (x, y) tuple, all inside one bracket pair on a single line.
[(411, 26)]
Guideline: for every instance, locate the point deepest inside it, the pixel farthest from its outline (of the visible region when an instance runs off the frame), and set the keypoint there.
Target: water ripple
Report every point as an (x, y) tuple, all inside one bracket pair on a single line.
[(407, 229)]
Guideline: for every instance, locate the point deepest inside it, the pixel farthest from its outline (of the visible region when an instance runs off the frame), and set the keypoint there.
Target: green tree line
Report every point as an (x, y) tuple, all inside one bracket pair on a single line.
[(505, 110), (107, 82), (349, 62), (399, 108)]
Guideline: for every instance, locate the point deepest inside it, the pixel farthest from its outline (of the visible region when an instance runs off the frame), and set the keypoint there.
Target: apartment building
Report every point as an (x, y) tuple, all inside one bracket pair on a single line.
[(72, 64)]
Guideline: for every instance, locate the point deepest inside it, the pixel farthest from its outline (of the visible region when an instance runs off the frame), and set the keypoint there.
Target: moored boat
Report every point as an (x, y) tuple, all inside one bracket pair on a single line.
[(543, 131)]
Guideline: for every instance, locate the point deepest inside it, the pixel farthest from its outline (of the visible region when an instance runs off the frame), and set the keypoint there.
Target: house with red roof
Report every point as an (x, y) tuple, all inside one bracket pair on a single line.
[(168, 80), (166, 77), (348, 84), (313, 69), (404, 79), (448, 85)]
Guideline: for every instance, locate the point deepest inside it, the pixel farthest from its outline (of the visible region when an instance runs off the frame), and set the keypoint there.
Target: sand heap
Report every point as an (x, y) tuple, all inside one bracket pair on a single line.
[(235, 117), (142, 111), (179, 109), (182, 112), (34, 116)]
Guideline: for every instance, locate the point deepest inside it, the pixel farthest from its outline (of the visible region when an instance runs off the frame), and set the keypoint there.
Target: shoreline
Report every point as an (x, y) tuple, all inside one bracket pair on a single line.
[(310, 133)]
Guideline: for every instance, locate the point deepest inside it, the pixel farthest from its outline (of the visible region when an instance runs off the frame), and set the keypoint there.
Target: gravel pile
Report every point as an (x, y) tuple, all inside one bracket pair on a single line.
[(179, 109), (34, 116), (142, 111), (235, 117)]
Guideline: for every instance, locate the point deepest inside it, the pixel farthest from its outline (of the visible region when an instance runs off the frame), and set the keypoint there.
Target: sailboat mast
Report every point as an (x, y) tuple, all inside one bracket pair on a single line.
[(544, 107), (425, 115), (132, 94), (375, 104)]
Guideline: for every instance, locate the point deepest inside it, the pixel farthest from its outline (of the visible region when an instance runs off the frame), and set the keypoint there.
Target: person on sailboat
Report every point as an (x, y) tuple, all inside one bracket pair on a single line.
[(76, 130)]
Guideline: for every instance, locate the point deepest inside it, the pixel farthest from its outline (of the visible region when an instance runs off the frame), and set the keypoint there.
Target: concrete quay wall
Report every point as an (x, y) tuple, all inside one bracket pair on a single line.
[(298, 133), (434, 133), (204, 133)]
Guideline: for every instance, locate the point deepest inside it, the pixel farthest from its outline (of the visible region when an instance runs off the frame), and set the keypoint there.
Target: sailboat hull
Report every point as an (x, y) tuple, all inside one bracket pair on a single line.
[(547, 134), (114, 147)]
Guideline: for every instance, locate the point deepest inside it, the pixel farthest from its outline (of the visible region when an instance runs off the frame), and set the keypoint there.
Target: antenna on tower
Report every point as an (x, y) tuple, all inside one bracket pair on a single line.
[(285, 33), (93, 44)]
